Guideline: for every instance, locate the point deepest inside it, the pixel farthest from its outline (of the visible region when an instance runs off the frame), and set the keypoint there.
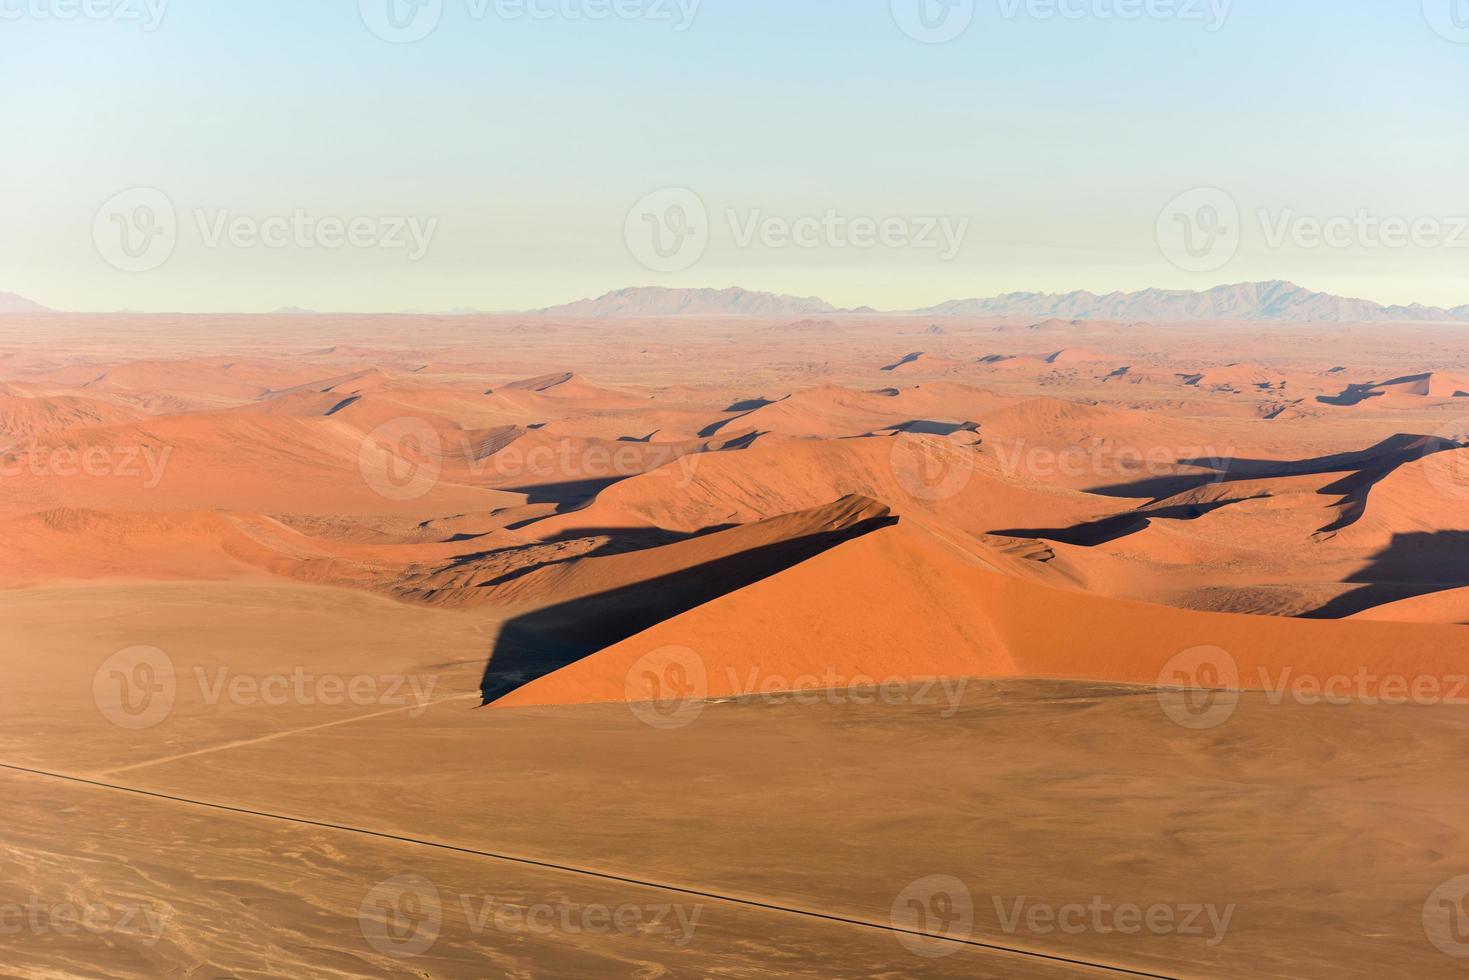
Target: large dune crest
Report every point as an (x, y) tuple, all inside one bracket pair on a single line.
[(901, 605)]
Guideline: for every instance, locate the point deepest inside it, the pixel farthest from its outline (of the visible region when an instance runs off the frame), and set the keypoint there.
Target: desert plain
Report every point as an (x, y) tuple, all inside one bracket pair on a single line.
[(856, 645)]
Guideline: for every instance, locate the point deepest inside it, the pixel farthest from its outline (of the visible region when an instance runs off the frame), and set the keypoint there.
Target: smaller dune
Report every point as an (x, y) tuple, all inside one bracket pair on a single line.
[(1411, 388), (1080, 355)]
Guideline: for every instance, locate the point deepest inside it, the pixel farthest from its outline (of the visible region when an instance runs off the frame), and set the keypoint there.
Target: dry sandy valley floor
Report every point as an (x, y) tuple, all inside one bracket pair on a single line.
[(857, 646)]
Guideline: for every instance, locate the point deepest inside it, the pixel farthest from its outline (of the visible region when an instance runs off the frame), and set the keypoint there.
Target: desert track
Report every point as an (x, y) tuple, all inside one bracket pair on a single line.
[(811, 914)]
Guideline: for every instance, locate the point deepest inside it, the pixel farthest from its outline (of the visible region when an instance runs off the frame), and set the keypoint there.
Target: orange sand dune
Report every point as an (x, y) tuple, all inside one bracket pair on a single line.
[(224, 460), (1423, 497), (567, 386), (1408, 391), (924, 364), (1080, 355), (1449, 606), (833, 411), (221, 379), (940, 478), (454, 499), (899, 603), (1435, 384), (73, 543), (1245, 377), (25, 413), (569, 572)]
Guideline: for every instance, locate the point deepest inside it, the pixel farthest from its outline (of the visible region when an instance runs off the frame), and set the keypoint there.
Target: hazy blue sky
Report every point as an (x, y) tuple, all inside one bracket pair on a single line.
[(518, 144)]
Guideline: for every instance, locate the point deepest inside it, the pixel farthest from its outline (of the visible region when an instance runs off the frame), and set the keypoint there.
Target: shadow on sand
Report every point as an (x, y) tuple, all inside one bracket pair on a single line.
[(1413, 564), (537, 643)]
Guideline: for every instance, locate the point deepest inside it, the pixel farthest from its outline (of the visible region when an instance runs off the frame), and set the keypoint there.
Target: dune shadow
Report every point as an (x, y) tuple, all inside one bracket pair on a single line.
[(749, 405), (1352, 395), (1094, 533), (343, 404), (567, 496), (929, 427), (1413, 564), (1358, 393), (909, 359), (714, 428), (537, 643), (1384, 457)]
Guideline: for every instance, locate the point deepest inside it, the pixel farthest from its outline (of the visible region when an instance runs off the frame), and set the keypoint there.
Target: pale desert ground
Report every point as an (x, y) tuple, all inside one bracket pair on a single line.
[(344, 646)]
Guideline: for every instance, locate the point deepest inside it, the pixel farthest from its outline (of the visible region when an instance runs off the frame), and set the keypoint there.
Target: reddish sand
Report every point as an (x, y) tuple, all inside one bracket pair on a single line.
[(555, 511)]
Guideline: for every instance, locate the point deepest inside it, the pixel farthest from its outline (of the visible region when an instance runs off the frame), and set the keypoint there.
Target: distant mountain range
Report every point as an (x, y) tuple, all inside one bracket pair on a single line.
[(1276, 300), (1242, 301), (11, 303), (655, 301)]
